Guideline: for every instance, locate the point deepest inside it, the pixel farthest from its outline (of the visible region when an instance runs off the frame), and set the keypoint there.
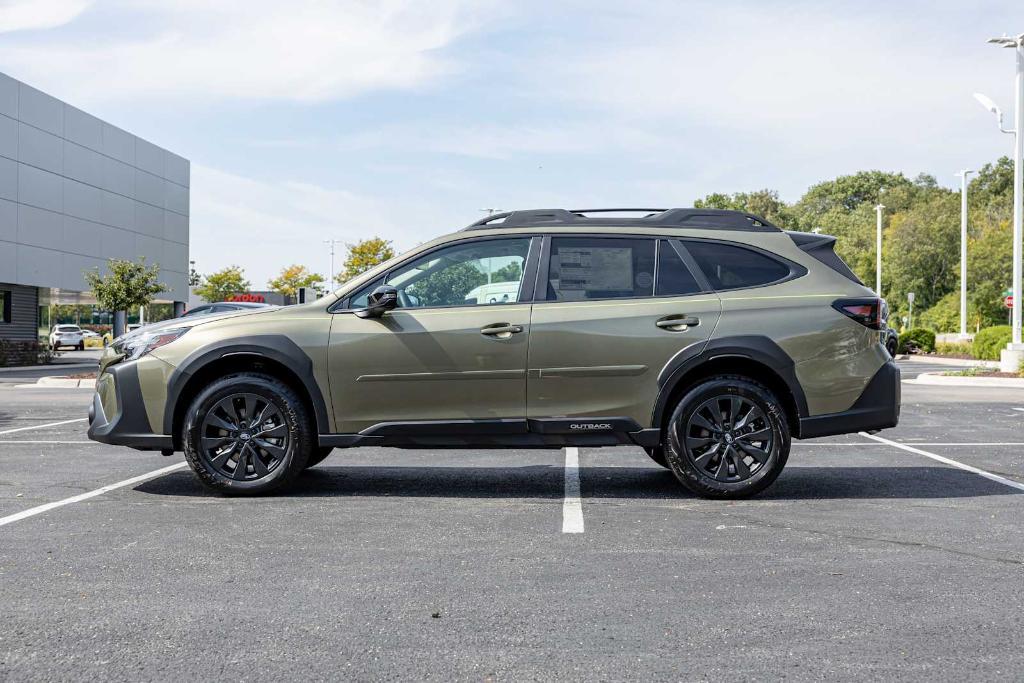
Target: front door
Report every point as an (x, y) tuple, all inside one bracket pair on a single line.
[(454, 349), (615, 312)]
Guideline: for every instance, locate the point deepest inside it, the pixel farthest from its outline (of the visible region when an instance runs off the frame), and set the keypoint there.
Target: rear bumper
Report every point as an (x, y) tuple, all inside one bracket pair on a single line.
[(126, 424), (878, 407)]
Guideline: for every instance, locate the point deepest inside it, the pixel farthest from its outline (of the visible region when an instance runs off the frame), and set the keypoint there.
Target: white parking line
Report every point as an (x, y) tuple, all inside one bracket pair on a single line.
[(91, 494), (912, 443), (572, 507), (48, 424), (947, 461), (4, 442)]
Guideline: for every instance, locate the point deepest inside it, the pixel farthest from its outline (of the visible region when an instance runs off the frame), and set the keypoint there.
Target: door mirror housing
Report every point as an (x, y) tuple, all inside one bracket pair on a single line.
[(379, 302)]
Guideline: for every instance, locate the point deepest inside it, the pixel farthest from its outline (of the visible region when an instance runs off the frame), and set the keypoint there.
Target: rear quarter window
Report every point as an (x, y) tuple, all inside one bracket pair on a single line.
[(729, 266)]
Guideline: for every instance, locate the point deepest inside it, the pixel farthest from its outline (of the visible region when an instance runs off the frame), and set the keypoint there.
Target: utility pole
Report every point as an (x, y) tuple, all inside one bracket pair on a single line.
[(1012, 355), (330, 274), (878, 248), (963, 251)]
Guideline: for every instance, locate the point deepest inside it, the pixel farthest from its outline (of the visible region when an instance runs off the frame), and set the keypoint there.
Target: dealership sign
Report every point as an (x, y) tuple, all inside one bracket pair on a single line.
[(248, 297)]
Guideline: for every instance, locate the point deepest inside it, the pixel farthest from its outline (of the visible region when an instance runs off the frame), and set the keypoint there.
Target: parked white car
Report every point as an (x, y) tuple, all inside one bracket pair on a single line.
[(67, 335)]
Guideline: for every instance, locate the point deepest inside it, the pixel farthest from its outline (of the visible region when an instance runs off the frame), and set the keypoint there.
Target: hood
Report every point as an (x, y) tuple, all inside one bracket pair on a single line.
[(193, 321)]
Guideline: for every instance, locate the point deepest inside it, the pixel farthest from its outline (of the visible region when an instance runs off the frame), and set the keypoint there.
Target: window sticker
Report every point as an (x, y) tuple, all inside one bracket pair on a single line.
[(595, 268)]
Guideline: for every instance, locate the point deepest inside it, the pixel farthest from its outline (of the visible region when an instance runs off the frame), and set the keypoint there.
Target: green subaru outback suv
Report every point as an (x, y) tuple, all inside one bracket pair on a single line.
[(709, 338)]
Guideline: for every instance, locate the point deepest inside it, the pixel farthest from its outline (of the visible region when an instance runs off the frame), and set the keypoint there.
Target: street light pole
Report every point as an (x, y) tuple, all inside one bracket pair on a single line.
[(330, 274), (1014, 352), (963, 251), (878, 249)]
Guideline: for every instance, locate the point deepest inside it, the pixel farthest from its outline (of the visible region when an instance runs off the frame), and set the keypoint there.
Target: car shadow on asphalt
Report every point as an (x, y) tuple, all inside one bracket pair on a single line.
[(546, 481)]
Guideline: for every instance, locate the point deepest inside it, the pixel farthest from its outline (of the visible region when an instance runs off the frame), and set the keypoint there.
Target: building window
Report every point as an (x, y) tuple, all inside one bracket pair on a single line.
[(5, 306)]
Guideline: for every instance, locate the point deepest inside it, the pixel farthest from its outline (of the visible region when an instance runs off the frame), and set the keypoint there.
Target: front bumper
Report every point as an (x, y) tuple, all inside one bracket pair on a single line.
[(878, 407), (118, 416)]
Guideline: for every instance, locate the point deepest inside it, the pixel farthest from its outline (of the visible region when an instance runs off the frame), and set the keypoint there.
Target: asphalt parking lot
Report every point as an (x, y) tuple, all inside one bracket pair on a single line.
[(867, 559)]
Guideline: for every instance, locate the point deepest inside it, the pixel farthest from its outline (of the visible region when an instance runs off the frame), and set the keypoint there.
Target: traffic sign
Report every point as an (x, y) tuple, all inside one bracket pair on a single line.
[(1008, 301)]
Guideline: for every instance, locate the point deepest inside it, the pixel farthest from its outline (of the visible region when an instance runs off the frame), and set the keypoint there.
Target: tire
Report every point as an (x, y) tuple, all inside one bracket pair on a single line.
[(891, 347), (725, 461), (318, 455), (81, 346), (658, 456), (220, 435)]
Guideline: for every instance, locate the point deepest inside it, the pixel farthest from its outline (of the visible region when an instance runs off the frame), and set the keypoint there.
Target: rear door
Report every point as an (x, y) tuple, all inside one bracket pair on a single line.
[(611, 313)]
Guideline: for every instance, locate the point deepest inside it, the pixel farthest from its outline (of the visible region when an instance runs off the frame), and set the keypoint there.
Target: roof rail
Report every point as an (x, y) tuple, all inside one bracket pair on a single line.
[(704, 219)]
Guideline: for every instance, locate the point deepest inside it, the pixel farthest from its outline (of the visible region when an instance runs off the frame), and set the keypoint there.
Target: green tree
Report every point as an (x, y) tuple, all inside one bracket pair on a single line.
[(220, 285), (293, 278), (922, 251), (764, 203), (989, 270), (364, 255), (508, 273), (127, 284)]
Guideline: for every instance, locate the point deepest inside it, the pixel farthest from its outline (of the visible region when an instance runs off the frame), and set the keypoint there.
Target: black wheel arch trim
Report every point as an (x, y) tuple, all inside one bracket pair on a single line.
[(757, 348), (275, 347)]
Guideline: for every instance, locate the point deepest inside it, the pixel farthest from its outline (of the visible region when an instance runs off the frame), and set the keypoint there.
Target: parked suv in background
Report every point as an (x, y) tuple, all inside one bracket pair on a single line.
[(67, 335), (709, 338)]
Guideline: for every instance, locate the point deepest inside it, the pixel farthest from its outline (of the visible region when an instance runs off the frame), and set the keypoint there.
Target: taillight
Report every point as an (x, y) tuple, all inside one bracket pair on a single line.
[(868, 312)]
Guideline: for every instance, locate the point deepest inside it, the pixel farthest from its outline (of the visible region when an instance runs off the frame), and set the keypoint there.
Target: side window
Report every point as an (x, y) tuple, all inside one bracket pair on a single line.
[(475, 273), (674, 278), (585, 268), (733, 267), (5, 306)]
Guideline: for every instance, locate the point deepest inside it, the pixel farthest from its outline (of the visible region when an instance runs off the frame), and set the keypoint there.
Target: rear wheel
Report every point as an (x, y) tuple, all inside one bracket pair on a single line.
[(891, 346), (247, 433), (727, 438), (81, 346)]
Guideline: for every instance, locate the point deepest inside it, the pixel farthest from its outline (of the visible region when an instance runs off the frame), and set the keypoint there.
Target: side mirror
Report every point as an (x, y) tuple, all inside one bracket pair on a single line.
[(380, 301)]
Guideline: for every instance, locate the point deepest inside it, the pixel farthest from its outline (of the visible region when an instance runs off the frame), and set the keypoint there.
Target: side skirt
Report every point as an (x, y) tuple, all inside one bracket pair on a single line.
[(511, 433)]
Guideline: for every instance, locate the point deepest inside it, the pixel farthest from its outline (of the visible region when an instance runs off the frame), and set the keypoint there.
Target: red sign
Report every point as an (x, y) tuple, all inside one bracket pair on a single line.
[(251, 298), (1008, 301)]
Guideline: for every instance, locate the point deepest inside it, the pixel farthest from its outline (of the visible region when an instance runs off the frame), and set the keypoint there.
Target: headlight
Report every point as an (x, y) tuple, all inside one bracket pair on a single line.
[(139, 345)]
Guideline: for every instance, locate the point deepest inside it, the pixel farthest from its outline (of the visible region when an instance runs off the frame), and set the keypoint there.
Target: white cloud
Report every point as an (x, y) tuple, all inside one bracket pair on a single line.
[(266, 225), (303, 50), (23, 15)]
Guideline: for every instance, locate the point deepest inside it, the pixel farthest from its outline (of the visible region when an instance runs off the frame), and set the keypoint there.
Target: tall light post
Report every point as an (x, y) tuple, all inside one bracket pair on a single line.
[(878, 248), (330, 275), (963, 251), (1014, 352)]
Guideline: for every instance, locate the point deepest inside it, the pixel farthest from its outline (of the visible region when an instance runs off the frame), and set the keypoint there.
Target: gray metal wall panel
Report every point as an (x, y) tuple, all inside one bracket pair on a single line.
[(40, 228), (83, 129), (40, 188), (40, 149), (75, 189), (40, 110), (8, 96), (8, 179), (8, 137), (8, 221), (24, 325)]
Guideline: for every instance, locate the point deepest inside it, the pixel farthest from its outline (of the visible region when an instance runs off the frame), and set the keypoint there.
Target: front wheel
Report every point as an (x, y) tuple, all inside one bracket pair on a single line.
[(248, 433), (727, 438)]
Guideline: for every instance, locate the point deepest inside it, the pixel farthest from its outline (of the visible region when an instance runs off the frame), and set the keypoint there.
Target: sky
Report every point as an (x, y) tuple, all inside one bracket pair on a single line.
[(311, 120)]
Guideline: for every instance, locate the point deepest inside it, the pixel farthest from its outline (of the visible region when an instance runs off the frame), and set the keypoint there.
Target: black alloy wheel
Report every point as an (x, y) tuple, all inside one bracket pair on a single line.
[(727, 438), (248, 433), (244, 437)]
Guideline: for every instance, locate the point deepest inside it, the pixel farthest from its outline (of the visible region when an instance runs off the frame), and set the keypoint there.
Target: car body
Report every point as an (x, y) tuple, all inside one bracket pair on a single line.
[(710, 338), (89, 334), (222, 307), (65, 336)]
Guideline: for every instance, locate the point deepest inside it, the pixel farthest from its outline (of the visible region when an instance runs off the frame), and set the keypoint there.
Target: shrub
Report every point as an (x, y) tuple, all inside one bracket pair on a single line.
[(962, 348), (990, 341), (923, 339), (14, 353)]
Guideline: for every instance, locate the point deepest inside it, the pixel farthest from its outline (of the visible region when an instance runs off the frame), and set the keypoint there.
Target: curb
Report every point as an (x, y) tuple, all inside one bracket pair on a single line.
[(936, 379), (59, 383), (941, 360)]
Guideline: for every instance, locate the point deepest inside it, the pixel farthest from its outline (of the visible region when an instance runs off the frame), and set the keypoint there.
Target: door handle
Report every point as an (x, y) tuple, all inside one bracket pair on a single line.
[(501, 330), (678, 323)]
